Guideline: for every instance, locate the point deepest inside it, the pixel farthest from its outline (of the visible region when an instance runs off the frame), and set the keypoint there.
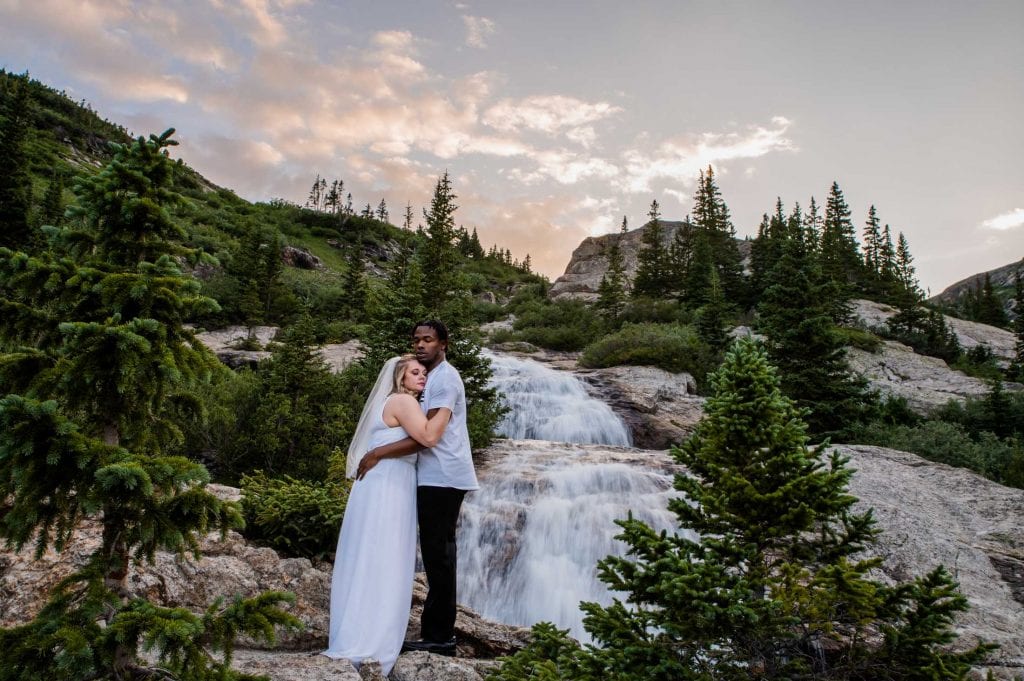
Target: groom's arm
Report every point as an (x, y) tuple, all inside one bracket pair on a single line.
[(391, 450)]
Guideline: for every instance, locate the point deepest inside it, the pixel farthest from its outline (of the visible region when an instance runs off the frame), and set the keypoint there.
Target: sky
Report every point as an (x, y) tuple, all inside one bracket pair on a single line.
[(555, 119)]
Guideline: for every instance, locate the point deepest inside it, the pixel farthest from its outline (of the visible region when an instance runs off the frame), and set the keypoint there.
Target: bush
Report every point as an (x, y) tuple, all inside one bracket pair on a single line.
[(948, 443), (297, 518), (562, 325), (669, 346), (640, 310), (859, 338)]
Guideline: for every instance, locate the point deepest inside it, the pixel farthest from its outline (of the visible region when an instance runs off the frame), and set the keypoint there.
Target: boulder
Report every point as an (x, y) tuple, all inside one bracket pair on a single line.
[(660, 408), (300, 258), (224, 342), (340, 355)]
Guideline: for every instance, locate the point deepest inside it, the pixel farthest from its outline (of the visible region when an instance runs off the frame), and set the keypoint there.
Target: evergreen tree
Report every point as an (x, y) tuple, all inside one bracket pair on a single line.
[(439, 258), (796, 315), (611, 300), (873, 246), (652, 271), (102, 368), (407, 220), (257, 267), (711, 215), (990, 309), (1016, 370), (701, 269), (354, 284), (840, 257), (813, 224), (15, 181), (712, 317), (907, 296), (764, 581), (52, 212), (382, 211), (476, 250)]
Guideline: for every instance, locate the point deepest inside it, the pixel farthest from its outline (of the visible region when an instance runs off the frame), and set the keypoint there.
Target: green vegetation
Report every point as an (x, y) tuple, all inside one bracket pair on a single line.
[(774, 588), (671, 347), (99, 368)]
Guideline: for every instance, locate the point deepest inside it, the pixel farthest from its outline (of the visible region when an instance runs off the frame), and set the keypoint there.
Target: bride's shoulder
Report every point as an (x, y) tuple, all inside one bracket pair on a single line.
[(402, 400)]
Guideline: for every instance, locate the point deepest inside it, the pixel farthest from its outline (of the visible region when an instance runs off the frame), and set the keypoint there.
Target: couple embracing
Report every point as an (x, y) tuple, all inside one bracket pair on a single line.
[(417, 465)]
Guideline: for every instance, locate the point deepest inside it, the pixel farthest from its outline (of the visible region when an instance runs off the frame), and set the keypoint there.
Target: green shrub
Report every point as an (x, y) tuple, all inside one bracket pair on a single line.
[(859, 338), (297, 518), (658, 311), (948, 443), (562, 325), (672, 347)]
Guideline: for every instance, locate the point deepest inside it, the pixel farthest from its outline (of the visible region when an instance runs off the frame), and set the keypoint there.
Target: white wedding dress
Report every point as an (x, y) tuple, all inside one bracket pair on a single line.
[(371, 586)]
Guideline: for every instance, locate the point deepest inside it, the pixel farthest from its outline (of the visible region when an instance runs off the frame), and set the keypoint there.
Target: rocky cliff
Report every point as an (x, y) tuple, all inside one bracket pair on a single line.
[(1001, 278), (588, 262)]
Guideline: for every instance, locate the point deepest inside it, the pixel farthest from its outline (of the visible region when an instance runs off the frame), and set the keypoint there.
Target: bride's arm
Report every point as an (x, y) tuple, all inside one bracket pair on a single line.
[(436, 418), (406, 410)]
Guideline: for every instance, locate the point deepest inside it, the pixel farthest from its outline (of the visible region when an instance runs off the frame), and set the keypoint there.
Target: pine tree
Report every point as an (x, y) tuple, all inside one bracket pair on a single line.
[(764, 582), (652, 271), (1016, 370), (990, 309), (52, 212), (796, 315), (102, 368), (907, 296), (840, 257), (813, 224), (711, 215), (15, 181), (475, 248), (354, 284), (873, 246), (439, 258), (712, 317), (407, 220), (611, 294), (382, 211)]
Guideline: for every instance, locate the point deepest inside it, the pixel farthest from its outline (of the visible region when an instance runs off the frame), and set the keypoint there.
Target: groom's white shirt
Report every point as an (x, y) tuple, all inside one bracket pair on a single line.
[(450, 462)]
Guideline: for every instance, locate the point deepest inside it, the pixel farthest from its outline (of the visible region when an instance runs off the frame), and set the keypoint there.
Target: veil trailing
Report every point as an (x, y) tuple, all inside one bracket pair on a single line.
[(374, 405)]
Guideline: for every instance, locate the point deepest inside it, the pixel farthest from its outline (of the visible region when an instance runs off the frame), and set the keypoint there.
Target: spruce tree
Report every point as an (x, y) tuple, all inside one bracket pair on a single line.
[(711, 215), (713, 317), (440, 258), (1016, 370), (52, 210), (907, 295), (652, 271), (766, 580), (873, 250), (840, 257), (795, 314), (15, 181), (812, 227), (611, 293), (990, 309), (100, 369)]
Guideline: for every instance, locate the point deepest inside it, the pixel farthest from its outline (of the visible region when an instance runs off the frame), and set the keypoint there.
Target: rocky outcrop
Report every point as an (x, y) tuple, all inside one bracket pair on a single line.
[(660, 408), (935, 514), (925, 382), (969, 334), (588, 262), (300, 258), (1002, 278), (226, 343)]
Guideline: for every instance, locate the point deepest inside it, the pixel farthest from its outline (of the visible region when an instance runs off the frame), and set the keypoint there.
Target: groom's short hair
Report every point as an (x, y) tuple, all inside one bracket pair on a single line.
[(439, 328)]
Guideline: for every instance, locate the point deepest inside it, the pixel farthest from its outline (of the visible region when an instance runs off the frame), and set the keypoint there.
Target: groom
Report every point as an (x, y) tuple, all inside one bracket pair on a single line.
[(444, 474)]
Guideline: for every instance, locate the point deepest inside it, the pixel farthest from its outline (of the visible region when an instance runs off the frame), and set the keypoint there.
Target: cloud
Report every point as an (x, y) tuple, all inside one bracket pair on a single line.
[(680, 159), (1009, 220), (478, 29), (552, 114)]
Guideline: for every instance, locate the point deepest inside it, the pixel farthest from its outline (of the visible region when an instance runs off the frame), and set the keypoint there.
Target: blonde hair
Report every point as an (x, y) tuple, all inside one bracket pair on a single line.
[(403, 363)]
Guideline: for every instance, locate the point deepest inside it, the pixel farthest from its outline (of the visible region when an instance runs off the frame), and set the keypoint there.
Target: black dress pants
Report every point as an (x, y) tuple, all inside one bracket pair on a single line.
[(438, 512)]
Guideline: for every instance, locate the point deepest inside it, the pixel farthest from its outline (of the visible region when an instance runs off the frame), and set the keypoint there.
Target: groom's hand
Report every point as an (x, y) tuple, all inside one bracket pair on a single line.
[(369, 460)]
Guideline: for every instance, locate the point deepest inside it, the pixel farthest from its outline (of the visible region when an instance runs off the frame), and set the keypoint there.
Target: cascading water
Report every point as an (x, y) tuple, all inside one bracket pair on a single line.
[(545, 404), (531, 537)]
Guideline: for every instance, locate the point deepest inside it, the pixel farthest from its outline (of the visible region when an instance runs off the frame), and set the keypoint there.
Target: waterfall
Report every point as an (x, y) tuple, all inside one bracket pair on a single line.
[(546, 404), (530, 538)]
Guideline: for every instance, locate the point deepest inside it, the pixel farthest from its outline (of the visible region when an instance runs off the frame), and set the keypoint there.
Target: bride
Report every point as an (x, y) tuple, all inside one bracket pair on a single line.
[(371, 587)]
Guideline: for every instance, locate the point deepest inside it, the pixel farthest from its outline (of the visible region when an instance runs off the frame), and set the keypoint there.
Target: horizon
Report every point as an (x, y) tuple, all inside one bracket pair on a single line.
[(554, 123)]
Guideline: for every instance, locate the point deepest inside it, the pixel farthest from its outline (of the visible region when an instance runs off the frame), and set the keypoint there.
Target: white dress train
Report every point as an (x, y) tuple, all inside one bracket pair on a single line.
[(371, 586)]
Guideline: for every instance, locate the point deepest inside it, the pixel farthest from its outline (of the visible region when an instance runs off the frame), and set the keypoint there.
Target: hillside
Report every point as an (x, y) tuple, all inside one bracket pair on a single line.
[(1002, 279)]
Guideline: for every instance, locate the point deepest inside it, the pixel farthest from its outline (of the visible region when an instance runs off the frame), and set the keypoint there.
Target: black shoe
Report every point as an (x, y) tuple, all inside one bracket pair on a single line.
[(436, 647)]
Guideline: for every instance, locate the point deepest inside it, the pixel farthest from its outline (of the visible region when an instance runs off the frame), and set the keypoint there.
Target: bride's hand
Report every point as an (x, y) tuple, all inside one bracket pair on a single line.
[(369, 460)]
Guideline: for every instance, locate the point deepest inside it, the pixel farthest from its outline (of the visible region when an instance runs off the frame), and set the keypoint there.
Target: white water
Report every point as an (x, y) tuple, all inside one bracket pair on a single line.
[(546, 404), (531, 537)]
